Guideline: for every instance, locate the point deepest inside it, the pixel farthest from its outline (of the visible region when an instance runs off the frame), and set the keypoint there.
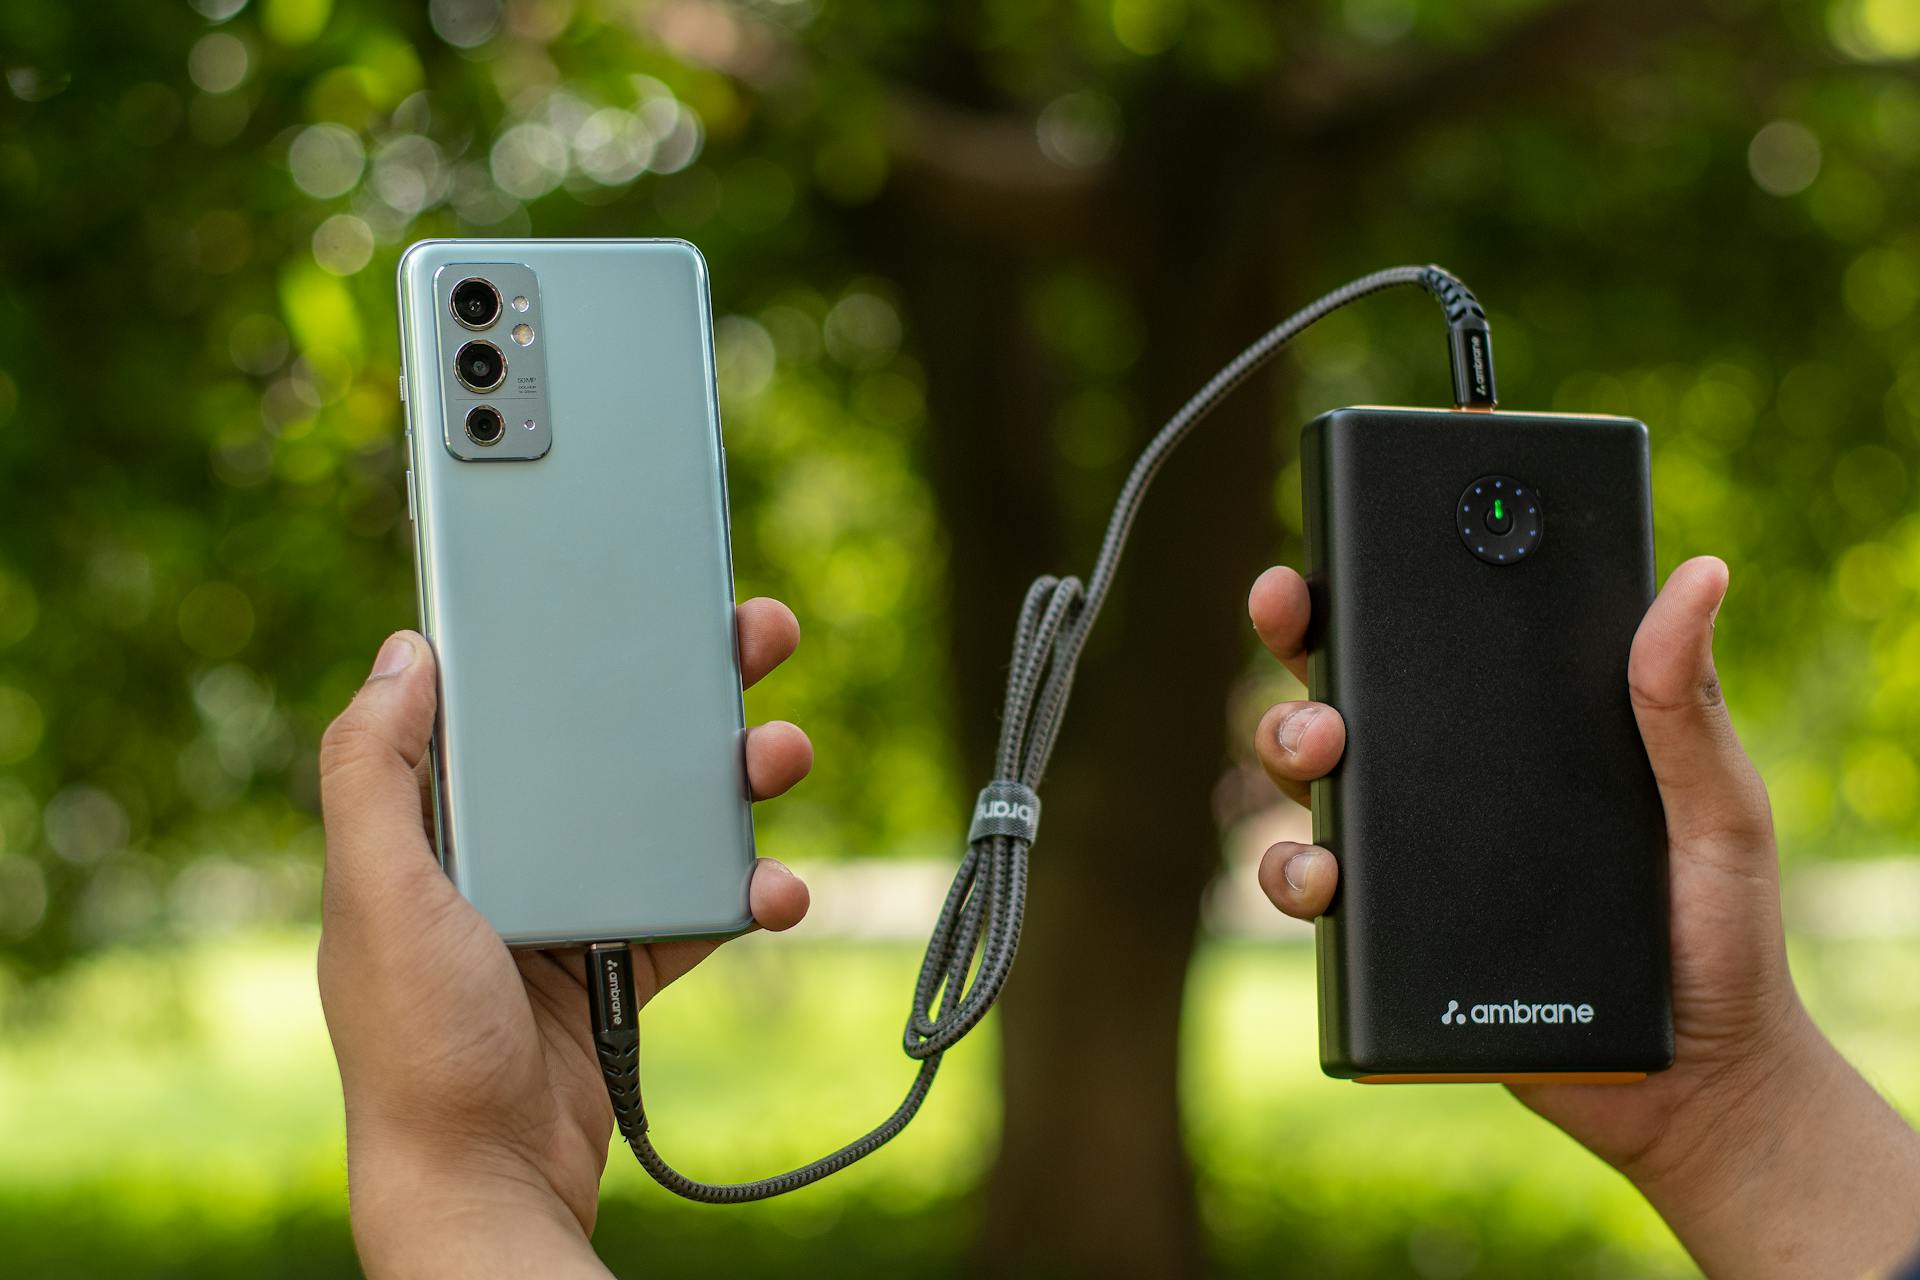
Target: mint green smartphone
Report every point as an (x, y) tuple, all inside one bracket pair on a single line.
[(568, 493)]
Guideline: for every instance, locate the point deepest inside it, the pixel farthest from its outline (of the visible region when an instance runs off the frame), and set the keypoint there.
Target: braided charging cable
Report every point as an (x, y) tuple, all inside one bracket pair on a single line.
[(978, 928)]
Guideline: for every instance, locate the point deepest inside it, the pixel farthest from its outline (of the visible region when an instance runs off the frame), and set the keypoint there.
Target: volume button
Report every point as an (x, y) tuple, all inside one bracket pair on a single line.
[(412, 513)]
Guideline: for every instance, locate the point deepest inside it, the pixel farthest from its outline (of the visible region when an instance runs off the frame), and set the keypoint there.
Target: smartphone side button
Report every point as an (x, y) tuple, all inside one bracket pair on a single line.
[(410, 507), (403, 388)]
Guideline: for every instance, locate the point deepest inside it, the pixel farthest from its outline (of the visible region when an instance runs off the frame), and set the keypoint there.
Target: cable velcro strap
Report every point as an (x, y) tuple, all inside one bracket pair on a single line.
[(1005, 808)]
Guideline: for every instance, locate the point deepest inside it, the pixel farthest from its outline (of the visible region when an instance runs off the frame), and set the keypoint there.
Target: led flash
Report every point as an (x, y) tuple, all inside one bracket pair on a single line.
[(523, 334)]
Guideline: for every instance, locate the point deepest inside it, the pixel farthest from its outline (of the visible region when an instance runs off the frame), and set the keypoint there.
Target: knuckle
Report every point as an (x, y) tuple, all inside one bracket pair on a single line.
[(348, 740), (1741, 819), (1695, 695)]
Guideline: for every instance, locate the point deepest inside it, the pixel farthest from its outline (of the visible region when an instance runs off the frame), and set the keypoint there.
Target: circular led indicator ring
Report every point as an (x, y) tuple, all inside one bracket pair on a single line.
[(1498, 518)]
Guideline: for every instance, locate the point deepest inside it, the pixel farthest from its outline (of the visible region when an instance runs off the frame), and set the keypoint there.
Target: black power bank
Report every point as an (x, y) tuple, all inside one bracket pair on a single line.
[(1477, 579)]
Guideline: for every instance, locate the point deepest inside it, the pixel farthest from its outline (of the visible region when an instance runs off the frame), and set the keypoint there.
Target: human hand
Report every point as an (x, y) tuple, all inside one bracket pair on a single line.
[(1753, 1143), (477, 1120)]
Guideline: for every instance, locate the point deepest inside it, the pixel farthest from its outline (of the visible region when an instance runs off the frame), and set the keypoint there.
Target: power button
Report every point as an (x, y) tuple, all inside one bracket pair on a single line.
[(410, 505), (1499, 519)]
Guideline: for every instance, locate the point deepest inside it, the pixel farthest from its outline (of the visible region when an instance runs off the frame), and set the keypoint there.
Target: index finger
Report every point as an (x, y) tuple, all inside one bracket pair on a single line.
[(1280, 607)]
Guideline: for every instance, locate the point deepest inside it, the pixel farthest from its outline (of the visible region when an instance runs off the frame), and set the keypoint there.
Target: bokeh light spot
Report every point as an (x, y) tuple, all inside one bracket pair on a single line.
[(1147, 27), (1876, 30), (1079, 129), (343, 244), (216, 619), (409, 174), (19, 608), (744, 357), (1867, 580), (218, 62), (258, 344), (85, 824), (612, 147), (862, 331), (1881, 287), (1379, 21), (292, 22), (1784, 158), (529, 160), (21, 725), (23, 896), (1881, 782), (326, 160), (465, 24)]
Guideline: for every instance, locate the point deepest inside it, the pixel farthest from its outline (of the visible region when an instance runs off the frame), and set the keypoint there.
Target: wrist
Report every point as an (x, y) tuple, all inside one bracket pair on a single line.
[(1785, 1162), (420, 1214), (1742, 1109)]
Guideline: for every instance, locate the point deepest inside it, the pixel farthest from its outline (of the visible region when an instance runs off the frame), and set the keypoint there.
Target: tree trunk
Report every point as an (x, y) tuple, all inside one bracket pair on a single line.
[(1093, 1175)]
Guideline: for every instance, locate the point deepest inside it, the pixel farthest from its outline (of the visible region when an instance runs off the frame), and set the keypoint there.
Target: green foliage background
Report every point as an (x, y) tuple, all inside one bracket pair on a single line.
[(205, 532), (202, 526)]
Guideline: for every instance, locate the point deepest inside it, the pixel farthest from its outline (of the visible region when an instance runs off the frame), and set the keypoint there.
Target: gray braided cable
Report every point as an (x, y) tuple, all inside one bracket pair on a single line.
[(981, 916)]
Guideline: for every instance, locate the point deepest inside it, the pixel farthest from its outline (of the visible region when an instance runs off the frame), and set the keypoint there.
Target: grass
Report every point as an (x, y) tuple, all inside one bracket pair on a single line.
[(176, 1114)]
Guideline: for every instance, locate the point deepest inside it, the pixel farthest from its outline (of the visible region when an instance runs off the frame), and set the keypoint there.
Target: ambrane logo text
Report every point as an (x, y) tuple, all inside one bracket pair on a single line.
[(1513, 1012), (1002, 809)]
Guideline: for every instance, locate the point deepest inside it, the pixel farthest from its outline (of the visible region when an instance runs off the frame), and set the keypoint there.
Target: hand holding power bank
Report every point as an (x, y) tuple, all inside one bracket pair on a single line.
[(1476, 582)]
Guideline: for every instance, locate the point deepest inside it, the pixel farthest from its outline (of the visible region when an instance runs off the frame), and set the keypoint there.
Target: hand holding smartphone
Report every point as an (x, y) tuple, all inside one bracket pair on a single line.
[(471, 1094)]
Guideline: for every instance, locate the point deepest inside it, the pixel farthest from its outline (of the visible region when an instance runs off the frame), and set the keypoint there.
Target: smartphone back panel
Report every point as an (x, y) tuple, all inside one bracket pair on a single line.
[(576, 584), (1502, 908)]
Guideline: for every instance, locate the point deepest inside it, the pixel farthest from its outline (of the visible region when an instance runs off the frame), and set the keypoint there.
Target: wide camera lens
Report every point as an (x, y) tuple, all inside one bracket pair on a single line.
[(480, 366), (476, 303), (485, 425)]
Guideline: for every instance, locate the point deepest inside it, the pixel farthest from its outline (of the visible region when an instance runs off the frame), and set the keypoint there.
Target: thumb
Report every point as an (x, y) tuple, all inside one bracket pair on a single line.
[(369, 793), (1710, 790)]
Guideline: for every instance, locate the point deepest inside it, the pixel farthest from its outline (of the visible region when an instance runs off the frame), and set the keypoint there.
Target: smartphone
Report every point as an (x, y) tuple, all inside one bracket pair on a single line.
[(1477, 579), (567, 486)]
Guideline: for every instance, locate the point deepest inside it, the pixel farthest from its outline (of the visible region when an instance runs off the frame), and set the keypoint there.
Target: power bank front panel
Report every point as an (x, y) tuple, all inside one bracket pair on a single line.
[(1477, 580)]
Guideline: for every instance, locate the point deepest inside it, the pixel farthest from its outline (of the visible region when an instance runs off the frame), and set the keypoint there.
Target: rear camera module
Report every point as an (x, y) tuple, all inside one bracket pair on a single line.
[(485, 426), (476, 303), (480, 366)]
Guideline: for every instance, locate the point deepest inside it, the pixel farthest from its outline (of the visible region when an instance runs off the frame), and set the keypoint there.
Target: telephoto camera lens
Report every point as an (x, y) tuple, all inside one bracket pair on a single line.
[(476, 303), (485, 426), (480, 366)]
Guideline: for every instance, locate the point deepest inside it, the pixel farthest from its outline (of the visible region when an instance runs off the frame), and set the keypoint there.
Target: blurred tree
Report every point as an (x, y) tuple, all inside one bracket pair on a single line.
[(965, 257)]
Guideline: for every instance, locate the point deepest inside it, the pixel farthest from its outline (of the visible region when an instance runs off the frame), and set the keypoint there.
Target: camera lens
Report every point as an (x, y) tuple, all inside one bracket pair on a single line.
[(476, 303), (480, 366), (485, 425)]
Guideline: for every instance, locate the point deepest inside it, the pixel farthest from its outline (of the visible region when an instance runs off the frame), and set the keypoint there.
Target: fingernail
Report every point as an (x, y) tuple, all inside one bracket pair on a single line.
[(396, 655), (1294, 727), (1296, 868)]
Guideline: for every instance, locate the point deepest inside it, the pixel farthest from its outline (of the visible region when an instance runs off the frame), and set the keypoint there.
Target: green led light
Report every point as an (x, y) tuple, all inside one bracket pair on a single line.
[(1499, 513)]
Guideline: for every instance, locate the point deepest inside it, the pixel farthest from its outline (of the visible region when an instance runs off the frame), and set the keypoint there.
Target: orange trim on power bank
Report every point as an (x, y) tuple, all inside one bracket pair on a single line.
[(1521, 1077)]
